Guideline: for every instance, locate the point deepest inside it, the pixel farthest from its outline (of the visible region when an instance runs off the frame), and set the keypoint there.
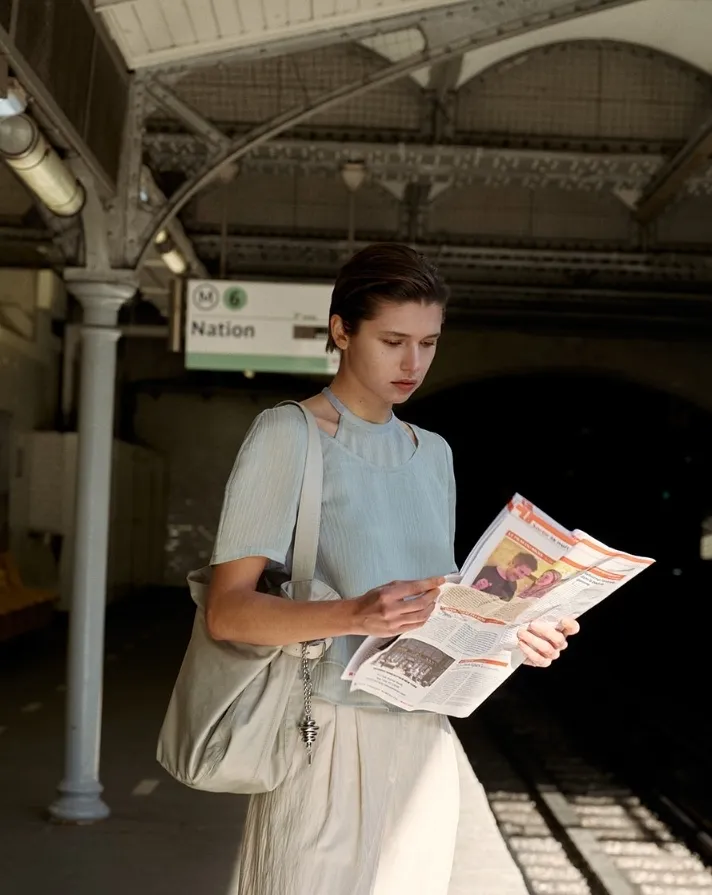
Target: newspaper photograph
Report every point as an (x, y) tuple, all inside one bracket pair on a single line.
[(525, 567)]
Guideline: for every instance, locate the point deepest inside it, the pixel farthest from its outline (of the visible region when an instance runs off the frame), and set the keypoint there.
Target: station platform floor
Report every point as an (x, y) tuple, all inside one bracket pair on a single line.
[(162, 838)]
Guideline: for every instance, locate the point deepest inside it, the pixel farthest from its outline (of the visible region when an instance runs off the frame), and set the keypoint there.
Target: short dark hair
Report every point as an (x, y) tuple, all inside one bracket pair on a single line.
[(525, 559), (384, 272)]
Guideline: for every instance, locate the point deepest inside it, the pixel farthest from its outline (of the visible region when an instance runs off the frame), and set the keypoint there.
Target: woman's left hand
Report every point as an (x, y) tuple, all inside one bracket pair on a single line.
[(542, 643)]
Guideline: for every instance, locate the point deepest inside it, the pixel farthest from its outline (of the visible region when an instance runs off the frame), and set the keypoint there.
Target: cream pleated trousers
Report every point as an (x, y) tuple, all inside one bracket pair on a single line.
[(389, 806)]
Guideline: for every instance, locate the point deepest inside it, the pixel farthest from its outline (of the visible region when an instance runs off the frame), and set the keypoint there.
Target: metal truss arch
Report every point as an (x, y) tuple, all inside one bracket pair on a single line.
[(440, 52)]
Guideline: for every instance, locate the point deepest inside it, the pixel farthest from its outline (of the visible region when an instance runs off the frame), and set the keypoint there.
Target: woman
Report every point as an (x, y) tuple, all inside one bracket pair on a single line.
[(389, 804), (541, 586)]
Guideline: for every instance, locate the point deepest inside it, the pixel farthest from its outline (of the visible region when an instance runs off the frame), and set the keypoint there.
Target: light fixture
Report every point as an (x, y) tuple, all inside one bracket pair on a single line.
[(227, 173), (170, 254), (27, 151), (353, 174), (13, 100)]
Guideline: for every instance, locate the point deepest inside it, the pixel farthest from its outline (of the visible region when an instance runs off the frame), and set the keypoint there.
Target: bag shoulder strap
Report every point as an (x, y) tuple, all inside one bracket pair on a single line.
[(306, 536)]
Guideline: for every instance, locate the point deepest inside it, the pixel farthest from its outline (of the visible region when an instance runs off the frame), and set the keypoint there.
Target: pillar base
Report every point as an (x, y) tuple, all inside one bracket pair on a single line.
[(78, 805)]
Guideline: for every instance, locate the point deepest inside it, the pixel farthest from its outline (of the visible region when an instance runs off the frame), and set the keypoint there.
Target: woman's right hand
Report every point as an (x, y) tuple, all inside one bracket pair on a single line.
[(385, 611)]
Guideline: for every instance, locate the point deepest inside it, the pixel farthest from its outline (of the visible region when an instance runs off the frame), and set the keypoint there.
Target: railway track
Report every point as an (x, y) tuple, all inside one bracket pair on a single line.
[(572, 826)]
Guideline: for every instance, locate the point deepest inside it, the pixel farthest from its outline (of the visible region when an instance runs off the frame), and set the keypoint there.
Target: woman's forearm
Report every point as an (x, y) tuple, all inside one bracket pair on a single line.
[(268, 620)]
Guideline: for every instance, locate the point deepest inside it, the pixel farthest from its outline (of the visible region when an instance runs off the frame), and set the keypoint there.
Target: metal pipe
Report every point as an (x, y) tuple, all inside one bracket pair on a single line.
[(26, 150)]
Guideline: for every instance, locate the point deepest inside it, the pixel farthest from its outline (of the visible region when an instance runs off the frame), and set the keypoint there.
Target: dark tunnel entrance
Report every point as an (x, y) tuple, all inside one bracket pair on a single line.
[(632, 467)]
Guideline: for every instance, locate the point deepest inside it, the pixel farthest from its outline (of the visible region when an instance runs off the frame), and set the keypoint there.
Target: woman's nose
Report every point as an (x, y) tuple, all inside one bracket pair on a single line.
[(411, 360)]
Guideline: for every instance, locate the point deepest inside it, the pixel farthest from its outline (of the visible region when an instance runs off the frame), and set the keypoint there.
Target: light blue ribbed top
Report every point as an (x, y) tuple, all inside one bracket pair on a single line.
[(388, 512)]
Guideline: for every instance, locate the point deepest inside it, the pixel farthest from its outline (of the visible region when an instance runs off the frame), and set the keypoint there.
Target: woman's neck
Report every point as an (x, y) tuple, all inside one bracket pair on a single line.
[(360, 401)]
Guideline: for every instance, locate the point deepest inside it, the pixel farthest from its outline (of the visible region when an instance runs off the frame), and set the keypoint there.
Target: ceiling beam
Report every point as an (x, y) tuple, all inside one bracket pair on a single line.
[(523, 293), (298, 114), (438, 126), (443, 79), (442, 164), (194, 121), (467, 259), (415, 199), (669, 181)]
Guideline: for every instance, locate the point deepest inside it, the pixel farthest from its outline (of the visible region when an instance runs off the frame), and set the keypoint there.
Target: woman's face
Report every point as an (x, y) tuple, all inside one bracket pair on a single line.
[(546, 578), (391, 354)]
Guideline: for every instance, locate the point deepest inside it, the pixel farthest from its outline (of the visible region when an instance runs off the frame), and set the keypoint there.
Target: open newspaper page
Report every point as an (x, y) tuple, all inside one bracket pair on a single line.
[(525, 567)]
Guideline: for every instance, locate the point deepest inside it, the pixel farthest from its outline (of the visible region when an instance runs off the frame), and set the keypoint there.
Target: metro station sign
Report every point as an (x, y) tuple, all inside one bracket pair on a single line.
[(258, 326)]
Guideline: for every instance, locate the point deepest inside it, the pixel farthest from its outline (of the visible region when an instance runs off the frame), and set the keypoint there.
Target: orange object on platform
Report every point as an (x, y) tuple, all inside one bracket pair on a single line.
[(22, 608)]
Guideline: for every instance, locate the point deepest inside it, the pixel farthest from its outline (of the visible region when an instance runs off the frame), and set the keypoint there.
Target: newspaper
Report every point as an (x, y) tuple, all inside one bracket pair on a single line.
[(525, 567)]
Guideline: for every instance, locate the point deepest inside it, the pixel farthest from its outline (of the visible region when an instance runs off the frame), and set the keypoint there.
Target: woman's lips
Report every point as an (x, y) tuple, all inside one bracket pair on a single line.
[(405, 385)]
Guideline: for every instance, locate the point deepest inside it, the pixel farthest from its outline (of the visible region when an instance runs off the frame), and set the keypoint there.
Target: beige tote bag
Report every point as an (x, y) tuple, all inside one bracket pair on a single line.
[(234, 716)]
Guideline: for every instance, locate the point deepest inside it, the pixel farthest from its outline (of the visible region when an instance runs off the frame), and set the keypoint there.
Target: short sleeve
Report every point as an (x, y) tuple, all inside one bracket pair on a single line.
[(261, 498)]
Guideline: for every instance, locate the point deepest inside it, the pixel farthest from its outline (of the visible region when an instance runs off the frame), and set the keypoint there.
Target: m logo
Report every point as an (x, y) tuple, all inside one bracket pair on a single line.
[(205, 297)]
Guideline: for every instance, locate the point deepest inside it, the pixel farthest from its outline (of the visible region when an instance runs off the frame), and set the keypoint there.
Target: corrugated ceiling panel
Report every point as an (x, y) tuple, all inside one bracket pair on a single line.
[(298, 11), (276, 13), (324, 9), (155, 26), (222, 24), (179, 21), (251, 16), (227, 17), (202, 15), (126, 29), (347, 6)]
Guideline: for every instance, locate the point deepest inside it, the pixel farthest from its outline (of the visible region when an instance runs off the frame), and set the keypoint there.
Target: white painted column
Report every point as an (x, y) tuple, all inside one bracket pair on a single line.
[(101, 298)]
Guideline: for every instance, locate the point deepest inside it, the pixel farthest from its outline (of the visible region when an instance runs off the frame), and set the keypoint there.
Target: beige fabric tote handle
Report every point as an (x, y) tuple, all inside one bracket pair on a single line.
[(306, 536)]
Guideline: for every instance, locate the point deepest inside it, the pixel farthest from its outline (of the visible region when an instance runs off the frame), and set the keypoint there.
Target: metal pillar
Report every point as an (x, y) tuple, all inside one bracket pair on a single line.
[(101, 297)]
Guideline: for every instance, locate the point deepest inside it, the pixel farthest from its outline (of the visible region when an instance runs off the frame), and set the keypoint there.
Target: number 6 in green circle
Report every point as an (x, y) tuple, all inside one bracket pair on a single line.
[(235, 298)]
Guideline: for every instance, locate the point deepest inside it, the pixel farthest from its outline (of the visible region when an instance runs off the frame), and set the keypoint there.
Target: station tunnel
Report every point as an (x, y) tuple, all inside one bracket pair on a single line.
[(629, 465)]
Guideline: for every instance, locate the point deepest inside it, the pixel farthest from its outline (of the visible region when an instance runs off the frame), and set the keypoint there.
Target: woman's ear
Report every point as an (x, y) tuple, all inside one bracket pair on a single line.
[(338, 333)]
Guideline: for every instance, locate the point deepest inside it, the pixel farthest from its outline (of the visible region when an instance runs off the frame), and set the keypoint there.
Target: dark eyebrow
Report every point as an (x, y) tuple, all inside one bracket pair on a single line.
[(407, 335)]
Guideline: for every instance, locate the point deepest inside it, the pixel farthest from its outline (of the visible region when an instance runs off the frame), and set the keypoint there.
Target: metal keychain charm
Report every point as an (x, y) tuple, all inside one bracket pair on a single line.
[(308, 729)]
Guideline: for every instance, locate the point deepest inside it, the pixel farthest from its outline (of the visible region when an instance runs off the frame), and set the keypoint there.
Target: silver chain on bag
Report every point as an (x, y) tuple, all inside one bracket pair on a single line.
[(308, 728)]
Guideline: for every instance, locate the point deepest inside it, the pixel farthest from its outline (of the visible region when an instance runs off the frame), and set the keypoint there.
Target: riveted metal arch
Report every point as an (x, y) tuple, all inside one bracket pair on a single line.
[(436, 53)]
